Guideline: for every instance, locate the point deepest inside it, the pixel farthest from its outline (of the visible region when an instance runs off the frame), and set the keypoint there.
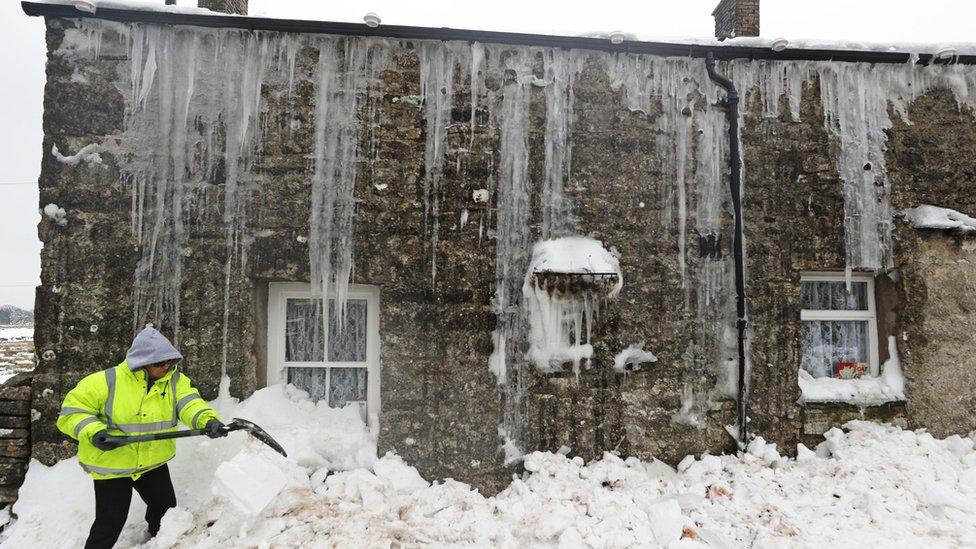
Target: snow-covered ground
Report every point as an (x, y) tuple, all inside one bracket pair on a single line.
[(874, 485), (11, 333), (16, 351)]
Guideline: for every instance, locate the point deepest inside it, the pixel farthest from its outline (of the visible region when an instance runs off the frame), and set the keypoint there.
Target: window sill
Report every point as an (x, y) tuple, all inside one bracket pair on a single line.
[(865, 391)]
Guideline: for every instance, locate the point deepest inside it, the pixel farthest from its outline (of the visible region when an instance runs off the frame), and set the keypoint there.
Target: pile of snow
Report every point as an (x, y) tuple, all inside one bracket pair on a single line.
[(318, 439), (875, 485), (560, 320), (866, 391), (934, 217)]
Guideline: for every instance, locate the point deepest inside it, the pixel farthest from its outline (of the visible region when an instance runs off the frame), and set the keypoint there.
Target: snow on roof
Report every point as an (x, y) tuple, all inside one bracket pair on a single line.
[(136, 5), (962, 48), (797, 44), (926, 216)]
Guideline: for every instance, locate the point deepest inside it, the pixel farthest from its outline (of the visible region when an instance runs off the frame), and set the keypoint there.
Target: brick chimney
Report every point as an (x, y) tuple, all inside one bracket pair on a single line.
[(736, 18), (238, 7)]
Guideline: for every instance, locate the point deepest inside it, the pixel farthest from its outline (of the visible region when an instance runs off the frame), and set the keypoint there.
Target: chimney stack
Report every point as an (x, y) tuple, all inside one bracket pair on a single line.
[(736, 18), (238, 7)]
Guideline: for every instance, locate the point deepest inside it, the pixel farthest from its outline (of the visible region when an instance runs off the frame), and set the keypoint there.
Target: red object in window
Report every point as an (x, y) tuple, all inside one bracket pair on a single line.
[(849, 369)]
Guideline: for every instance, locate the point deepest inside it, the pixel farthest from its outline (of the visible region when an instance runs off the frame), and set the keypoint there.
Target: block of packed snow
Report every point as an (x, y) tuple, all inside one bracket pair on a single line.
[(176, 522), (935, 217), (249, 481), (402, 477), (665, 521), (358, 485)]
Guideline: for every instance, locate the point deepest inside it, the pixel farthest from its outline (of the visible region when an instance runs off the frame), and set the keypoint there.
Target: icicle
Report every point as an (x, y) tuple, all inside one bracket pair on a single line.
[(293, 44), (193, 103), (561, 68), (344, 70), (644, 79), (512, 200), (510, 187), (476, 82), (856, 113), (437, 60), (856, 98)]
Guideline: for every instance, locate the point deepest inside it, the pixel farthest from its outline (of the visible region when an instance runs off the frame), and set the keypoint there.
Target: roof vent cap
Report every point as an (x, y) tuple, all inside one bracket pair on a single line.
[(87, 6), (947, 52), (372, 20)]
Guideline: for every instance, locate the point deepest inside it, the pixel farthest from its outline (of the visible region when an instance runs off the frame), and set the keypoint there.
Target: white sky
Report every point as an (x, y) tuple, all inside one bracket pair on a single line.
[(22, 56)]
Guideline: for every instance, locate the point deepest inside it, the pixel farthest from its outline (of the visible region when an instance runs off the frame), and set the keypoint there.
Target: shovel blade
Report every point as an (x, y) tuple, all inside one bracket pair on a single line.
[(238, 424)]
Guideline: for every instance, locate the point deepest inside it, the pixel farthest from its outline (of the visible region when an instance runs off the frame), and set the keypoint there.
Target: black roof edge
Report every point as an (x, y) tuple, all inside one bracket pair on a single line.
[(510, 38)]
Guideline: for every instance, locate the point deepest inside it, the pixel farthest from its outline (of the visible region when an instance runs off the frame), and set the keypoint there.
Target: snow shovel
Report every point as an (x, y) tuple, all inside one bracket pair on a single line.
[(237, 424)]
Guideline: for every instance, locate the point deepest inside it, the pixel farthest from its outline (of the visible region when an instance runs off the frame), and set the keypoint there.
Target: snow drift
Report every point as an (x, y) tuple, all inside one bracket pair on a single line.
[(875, 484)]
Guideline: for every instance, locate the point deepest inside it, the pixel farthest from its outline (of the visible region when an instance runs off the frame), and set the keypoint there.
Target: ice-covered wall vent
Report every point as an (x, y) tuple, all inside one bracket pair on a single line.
[(88, 153), (927, 216), (567, 281), (631, 358)]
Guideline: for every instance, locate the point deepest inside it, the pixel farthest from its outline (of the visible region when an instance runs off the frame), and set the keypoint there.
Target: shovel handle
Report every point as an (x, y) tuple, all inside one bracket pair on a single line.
[(237, 424), (153, 436), (167, 435)]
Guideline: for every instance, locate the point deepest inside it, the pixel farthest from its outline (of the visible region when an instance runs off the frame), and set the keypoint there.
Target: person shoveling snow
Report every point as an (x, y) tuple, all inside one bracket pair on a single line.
[(125, 419)]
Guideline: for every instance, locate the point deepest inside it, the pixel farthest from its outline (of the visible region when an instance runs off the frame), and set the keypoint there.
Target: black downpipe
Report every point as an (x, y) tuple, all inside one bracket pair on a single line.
[(735, 185)]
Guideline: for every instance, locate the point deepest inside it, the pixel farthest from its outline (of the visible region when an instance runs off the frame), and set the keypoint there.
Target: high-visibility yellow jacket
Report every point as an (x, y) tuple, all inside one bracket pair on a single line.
[(117, 400)]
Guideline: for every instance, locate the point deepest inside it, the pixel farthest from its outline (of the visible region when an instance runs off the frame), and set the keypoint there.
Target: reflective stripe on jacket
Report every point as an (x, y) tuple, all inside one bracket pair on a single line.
[(116, 400)]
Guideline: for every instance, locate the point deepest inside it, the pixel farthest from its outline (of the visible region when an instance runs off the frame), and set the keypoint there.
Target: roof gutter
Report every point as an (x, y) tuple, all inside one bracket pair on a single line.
[(664, 49)]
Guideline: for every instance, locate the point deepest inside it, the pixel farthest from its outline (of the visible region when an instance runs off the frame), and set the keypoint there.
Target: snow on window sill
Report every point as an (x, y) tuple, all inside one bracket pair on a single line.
[(865, 391)]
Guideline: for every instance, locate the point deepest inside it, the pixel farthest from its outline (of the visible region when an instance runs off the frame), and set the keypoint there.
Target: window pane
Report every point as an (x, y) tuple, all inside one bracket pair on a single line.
[(829, 295), (304, 333), (311, 380), (347, 337), (348, 385), (826, 343)]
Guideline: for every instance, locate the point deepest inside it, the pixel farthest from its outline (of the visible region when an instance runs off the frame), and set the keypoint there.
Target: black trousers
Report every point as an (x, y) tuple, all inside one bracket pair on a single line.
[(112, 498)]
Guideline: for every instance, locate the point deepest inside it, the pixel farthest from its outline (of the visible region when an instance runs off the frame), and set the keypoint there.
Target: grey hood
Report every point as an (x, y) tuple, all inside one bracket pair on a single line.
[(150, 347)]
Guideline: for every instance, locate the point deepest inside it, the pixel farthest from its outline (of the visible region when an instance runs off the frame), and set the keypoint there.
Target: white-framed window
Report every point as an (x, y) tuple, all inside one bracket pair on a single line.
[(336, 359), (840, 327)]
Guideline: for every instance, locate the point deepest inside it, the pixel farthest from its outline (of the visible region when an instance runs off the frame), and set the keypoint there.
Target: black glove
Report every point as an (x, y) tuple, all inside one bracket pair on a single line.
[(102, 442), (215, 429)]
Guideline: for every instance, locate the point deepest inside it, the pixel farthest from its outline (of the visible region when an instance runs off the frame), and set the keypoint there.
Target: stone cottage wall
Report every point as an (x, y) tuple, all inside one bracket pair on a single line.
[(15, 442), (441, 407)]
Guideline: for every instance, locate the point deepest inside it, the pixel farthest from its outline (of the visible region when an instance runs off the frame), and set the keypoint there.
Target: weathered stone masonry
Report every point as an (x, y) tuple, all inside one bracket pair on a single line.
[(435, 332)]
